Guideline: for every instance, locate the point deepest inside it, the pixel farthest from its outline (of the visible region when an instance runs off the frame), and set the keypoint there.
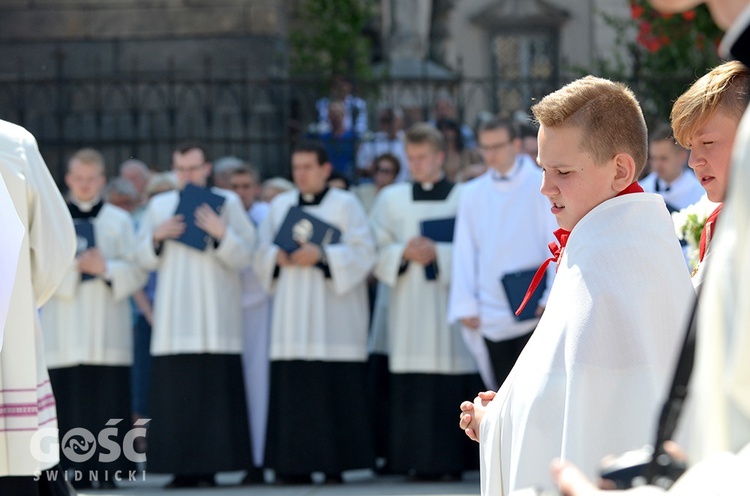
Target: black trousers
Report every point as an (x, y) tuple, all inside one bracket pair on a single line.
[(503, 355)]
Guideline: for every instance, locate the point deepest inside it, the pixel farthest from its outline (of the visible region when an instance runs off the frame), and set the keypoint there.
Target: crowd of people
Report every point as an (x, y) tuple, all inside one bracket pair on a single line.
[(315, 326)]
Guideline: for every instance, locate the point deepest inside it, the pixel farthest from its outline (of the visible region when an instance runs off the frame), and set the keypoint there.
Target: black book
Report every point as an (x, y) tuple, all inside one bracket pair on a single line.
[(301, 227), (440, 231), (85, 239), (516, 284), (192, 197)]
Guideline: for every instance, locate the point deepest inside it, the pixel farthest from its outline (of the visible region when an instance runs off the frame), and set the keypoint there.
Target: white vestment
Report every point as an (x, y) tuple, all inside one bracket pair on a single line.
[(89, 322), (683, 191), (595, 373), (314, 317), (13, 233), (26, 404), (197, 303), (256, 310), (419, 336), (721, 379), (502, 226)]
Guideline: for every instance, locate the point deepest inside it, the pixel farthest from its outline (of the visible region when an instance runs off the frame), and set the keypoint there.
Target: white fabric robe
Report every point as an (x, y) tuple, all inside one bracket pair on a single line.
[(197, 303), (90, 322), (501, 227), (595, 373), (316, 318), (721, 378), (683, 192), (256, 313), (419, 337), (47, 250), (10, 248)]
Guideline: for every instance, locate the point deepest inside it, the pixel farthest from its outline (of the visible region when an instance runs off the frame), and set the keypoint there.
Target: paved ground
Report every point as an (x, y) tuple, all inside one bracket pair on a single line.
[(356, 484)]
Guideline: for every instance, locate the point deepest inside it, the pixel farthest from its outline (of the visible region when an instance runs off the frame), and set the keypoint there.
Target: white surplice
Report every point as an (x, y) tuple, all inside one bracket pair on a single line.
[(89, 322), (419, 336), (197, 303), (26, 404), (314, 317), (502, 226), (13, 233), (683, 191), (256, 313), (594, 375)]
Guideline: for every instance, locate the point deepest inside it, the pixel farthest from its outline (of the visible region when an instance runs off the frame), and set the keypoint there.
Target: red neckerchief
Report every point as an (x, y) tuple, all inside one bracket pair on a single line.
[(707, 234), (558, 249)]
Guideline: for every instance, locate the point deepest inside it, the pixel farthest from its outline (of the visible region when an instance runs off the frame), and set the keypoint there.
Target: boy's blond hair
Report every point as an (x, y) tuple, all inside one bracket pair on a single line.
[(88, 156), (423, 132), (607, 113), (725, 88)]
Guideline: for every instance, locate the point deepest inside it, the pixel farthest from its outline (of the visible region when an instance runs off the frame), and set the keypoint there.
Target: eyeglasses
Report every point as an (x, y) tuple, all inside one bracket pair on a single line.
[(495, 147), (381, 170)]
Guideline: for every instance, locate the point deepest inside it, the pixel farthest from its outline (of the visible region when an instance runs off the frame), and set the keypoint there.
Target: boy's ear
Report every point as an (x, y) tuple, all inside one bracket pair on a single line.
[(624, 171)]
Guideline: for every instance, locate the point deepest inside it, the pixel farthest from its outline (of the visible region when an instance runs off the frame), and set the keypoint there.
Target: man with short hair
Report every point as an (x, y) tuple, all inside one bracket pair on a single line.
[(318, 329), (429, 363), (87, 323), (503, 226), (199, 424), (670, 177)]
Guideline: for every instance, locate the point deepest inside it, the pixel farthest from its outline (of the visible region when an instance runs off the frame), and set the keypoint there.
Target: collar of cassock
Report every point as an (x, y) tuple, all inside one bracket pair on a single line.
[(432, 191), (557, 250), (85, 210), (310, 199)]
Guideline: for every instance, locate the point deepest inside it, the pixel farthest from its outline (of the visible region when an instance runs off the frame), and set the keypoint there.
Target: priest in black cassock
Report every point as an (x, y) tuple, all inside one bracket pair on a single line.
[(429, 363), (319, 420), (199, 424)]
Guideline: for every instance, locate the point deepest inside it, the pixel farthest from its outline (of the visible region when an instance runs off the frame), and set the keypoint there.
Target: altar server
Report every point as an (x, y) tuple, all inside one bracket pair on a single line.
[(319, 421), (429, 363), (503, 226), (87, 323), (199, 424), (593, 376)]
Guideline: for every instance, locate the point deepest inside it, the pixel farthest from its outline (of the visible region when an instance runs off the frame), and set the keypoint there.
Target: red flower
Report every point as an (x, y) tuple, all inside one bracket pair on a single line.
[(689, 15), (636, 11)]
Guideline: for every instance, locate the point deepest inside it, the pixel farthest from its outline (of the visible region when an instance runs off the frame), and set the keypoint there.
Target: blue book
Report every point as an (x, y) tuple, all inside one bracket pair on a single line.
[(516, 284), (85, 239), (192, 197), (439, 231), (301, 227)]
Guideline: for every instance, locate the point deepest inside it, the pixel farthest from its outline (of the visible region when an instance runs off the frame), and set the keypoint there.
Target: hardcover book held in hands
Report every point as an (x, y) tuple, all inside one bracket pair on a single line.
[(516, 284), (85, 239), (192, 197), (439, 231), (301, 227)]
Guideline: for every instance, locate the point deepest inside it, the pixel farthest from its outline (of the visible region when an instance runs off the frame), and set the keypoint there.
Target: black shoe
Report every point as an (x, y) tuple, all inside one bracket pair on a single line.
[(334, 479), (187, 481), (254, 476), (293, 480)]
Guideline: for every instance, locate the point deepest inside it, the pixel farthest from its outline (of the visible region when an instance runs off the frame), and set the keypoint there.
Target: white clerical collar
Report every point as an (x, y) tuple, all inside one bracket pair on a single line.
[(499, 176), (85, 206), (308, 197), (733, 33), (428, 186)]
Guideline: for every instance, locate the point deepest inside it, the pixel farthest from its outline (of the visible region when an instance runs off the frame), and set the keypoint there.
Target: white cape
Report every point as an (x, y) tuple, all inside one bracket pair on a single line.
[(591, 380)]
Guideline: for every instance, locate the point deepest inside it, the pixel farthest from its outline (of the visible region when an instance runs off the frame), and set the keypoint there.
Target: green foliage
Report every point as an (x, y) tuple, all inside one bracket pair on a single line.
[(669, 52), (330, 39)]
